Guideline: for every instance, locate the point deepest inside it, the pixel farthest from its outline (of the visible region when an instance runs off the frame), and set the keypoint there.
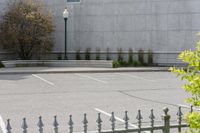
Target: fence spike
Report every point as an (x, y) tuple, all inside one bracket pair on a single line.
[(85, 122), (70, 123), (126, 119), (8, 127), (166, 110), (55, 124), (179, 114), (152, 117), (191, 109), (112, 119), (24, 125), (139, 118), (40, 125), (99, 121)]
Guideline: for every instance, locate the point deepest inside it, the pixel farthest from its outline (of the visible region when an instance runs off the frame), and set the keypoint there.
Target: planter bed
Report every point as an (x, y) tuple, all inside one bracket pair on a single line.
[(58, 63)]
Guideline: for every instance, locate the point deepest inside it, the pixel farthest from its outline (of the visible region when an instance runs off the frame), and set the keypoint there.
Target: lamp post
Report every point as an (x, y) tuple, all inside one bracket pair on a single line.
[(65, 16)]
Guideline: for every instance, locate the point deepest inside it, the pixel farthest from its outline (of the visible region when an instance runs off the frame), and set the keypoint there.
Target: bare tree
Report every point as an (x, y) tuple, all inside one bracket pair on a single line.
[(26, 29)]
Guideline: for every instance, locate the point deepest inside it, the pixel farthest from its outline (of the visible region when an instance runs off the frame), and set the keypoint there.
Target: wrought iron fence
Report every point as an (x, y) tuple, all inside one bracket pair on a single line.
[(165, 128)]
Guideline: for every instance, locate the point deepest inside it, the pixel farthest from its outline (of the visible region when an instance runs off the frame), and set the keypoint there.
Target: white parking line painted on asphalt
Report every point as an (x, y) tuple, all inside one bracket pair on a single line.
[(134, 76), (117, 118), (2, 125), (92, 78), (46, 81), (188, 107)]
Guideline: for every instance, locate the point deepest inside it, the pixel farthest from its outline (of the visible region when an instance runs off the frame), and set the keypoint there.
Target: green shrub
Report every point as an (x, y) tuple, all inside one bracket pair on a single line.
[(108, 54), (98, 53), (131, 62), (126, 64), (141, 56), (192, 76), (130, 55), (1, 64), (116, 64), (87, 54), (136, 63), (123, 63), (150, 57), (120, 54), (78, 55), (59, 56)]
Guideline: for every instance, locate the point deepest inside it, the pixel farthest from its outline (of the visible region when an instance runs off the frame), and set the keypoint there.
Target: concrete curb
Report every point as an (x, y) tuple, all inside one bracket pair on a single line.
[(77, 70)]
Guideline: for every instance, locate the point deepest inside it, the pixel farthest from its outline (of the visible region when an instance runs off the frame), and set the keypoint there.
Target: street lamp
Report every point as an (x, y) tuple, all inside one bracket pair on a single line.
[(65, 16)]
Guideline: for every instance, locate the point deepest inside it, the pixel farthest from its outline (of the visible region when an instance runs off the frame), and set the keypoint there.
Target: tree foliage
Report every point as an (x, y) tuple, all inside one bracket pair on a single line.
[(26, 29), (192, 76)]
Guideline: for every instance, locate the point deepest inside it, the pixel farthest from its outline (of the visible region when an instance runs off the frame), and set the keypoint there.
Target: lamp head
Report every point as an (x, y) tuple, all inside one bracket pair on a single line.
[(65, 13)]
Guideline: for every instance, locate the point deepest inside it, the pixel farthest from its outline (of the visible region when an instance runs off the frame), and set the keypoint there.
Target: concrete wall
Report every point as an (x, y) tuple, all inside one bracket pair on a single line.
[(165, 26)]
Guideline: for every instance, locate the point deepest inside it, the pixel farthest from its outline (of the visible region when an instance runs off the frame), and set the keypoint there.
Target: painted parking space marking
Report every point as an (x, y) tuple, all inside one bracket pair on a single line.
[(2, 125), (92, 78), (134, 76), (117, 118), (46, 81)]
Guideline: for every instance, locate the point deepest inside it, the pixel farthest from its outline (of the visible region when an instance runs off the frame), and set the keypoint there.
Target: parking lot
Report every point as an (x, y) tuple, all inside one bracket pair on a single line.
[(46, 95)]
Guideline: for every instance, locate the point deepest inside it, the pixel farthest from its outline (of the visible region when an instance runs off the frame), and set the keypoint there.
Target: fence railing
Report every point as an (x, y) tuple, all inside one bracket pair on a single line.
[(165, 128)]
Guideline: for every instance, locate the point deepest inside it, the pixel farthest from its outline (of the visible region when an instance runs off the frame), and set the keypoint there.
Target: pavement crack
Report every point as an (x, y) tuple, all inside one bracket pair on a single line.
[(157, 89), (146, 99)]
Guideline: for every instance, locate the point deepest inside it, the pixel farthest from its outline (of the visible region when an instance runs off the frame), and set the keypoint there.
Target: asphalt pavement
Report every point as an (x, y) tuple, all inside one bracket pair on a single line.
[(74, 93)]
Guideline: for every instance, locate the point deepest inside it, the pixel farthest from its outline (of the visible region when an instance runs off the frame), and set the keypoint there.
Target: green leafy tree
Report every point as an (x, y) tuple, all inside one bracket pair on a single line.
[(26, 29), (192, 76)]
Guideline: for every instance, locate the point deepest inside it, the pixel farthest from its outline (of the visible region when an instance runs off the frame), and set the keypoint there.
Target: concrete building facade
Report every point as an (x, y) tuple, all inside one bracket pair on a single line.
[(165, 26)]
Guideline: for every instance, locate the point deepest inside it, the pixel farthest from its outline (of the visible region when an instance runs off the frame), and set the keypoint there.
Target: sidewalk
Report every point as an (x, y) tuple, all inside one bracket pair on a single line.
[(37, 70)]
